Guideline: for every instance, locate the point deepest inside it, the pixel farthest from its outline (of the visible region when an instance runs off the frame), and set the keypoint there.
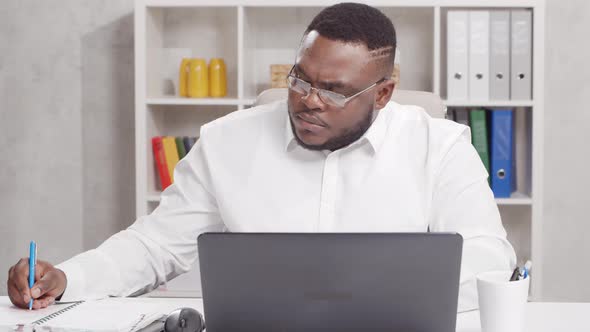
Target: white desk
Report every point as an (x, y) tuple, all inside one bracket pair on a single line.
[(541, 317)]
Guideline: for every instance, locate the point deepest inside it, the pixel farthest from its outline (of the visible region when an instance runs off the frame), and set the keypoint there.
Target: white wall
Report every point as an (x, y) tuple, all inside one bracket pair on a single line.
[(566, 225), (66, 133), (66, 126)]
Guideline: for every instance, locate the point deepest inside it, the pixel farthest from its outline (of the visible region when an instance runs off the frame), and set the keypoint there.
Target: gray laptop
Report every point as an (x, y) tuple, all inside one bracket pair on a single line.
[(280, 282)]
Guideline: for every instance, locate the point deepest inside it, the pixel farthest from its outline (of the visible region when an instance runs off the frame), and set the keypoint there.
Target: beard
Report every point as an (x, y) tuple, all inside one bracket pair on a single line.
[(350, 136)]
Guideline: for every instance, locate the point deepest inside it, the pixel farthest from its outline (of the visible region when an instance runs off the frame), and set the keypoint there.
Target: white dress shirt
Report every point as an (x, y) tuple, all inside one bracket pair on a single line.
[(408, 173)]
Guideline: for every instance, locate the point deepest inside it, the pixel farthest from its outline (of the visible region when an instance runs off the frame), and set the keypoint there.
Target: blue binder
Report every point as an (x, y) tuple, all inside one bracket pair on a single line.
[(501, 152)]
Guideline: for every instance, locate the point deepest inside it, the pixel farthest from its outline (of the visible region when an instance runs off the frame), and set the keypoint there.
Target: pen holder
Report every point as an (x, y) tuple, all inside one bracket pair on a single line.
[(502, 302)]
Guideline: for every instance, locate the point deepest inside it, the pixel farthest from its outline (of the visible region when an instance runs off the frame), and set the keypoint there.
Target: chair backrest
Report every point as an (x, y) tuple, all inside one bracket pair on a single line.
[(430, 102)]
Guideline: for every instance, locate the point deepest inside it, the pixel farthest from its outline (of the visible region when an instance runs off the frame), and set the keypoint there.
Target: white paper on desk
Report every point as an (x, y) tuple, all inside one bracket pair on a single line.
[(10, 316), (113, 314), (107, 315)]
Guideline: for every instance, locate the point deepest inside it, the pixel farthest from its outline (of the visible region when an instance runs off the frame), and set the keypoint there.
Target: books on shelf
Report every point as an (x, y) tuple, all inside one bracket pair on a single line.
[(168, 150), (489, 54), (523, 154), (457, 54), (160, 161), (521, 55), (188, 142), (499, 55), (501, 145), (479, 55), (479, 135), (171, 154), (502, 139), (180, 147)]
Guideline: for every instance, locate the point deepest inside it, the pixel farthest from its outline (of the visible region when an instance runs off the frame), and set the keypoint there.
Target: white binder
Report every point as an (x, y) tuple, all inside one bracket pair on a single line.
[(457, 54), (523, 138), (450, 114), (479, 56), (499, 55), (521, 46), (462, 116)]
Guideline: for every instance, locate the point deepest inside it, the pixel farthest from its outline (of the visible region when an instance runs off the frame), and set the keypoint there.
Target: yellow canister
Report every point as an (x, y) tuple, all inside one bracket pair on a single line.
[(183, 77), (198, 79), (217, 78)]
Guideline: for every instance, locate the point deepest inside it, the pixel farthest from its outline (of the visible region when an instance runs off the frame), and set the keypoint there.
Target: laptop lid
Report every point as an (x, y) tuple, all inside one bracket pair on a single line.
[(258, 282)]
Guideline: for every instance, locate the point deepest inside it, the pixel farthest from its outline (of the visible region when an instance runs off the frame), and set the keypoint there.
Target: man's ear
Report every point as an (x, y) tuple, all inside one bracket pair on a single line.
[(384, 93)]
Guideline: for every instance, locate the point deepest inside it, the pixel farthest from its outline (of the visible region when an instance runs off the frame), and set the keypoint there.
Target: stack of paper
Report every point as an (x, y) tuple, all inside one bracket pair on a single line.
[(108, 315)]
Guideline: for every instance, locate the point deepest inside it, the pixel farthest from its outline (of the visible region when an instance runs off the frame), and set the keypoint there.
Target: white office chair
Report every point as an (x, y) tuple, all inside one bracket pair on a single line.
[(430, 102)]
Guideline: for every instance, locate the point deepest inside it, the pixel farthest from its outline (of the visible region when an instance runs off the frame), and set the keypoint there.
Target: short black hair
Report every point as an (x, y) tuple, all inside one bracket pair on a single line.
[(356, 23)]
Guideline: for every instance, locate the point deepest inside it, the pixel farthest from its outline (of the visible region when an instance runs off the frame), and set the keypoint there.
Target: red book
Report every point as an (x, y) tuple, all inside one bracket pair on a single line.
[(160, 160)]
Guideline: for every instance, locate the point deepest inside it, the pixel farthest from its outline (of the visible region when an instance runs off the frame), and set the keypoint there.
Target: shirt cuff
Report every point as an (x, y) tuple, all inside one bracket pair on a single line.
[(76, 282), (468, 297)]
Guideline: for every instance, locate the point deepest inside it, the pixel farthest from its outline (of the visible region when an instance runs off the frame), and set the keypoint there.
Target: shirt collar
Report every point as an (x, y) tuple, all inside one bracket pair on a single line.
[(375, 135), (290, 141)]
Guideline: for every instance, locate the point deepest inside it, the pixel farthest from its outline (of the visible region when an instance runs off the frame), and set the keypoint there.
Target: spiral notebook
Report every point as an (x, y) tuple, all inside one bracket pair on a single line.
[(107, 315)]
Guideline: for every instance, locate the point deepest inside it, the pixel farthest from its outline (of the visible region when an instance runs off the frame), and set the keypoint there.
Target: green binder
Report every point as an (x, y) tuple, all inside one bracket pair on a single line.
[(479, 136), (180, 147)]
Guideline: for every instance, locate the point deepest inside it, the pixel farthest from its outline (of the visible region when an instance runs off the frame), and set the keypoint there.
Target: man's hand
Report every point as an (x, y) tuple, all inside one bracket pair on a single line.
[(50, 283)]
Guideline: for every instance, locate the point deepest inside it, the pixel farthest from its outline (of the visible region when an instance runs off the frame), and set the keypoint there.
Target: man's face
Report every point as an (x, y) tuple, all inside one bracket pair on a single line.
[(339, 67)]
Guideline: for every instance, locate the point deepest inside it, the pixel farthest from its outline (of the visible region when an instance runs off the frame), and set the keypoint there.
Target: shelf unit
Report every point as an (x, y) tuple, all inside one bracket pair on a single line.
[(251, 35), (488, 103), (167, 100)]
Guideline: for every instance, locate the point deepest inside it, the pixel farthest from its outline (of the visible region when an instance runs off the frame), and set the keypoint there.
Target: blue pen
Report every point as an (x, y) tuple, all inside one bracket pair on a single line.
[(32, 262), (527, 268)]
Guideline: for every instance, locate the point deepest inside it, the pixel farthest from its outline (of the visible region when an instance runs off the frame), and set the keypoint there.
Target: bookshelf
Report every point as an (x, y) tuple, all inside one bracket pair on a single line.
[(251, 35), (198, 101), (489, 104)]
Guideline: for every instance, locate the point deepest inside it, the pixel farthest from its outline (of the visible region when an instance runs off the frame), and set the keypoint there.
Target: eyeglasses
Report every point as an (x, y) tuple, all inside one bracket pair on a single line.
[(328, 97)]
